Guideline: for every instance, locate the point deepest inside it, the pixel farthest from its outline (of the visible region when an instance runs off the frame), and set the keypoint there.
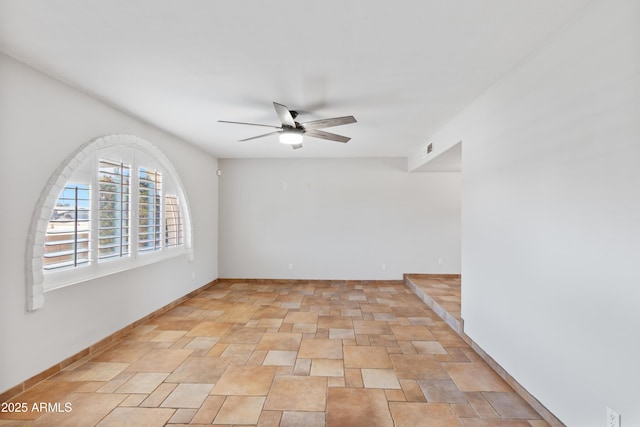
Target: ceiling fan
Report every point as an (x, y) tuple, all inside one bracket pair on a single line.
[(291, 132)]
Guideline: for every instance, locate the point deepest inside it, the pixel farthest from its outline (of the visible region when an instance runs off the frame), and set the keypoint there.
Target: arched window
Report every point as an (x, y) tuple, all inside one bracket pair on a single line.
[(116, 203)]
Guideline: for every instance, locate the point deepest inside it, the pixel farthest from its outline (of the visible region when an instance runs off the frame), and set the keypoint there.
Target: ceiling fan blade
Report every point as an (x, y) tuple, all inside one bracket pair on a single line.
[(284, 115), (326, 135), (296, 146), (327, 123), (259, 136), (250, 124)]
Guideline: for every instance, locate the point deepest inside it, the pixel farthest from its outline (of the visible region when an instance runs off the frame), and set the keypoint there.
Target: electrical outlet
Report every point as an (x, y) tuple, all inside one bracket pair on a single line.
[(613, 418), (383, 267), (290, 266), (440, 261)]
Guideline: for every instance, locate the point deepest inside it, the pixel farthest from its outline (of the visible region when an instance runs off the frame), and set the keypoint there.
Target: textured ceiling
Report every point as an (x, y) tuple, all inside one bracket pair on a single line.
[(402, 68)]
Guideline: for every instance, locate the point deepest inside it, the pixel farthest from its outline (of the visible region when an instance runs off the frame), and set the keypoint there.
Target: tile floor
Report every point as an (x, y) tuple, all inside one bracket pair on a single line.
[(441, 293), (306, 354), (446, 291)]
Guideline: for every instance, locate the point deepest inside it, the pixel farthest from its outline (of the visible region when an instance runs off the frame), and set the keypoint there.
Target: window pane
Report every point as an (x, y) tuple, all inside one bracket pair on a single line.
[(149, 210), (173, 222), (68, 232), (113, 215)]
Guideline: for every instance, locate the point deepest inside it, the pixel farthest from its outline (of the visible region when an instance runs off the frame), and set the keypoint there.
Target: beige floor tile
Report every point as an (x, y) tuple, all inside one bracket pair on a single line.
[(327, 368), (320, 349), (257, 357), (385, 316), (182, 416), (240, 410), (202, 343), (217, 350), (351, 312), (371, 327), (199, 370), (412, 333), (270, 323), (122, 354), (326, 322), (457, 354), (301, 317), (374, 307), (304, 328), (395, 395), (158, 396), (302, 367), (245, 381), (418, 367), (238, 350), (270, 313), (242, 335), (94, 371), (366, 357), (510, 405), (479, 422), (464, 410), (280, 358), (336, 382), (160, 360), (237, 315), (187, 396), (448, 338), (134, 400), (144, 382), (384, 340), (428, 347), (299, 419), (441, 391), (168, 336), (353, 377), (424, 321), (380, 378), (412, 414), (137, 417), (270, 419), (482, 407), (208, 411), (475, 377), (342, 334), (297, 394), (280, 341), (358, 407), (90, 386), (209, 329)]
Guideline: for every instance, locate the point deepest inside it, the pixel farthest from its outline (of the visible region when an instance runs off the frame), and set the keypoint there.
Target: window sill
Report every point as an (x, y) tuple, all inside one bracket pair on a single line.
[(61, 279)]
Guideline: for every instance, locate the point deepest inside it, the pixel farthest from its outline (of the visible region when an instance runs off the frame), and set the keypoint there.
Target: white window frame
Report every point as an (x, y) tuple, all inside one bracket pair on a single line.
[(38, 281)]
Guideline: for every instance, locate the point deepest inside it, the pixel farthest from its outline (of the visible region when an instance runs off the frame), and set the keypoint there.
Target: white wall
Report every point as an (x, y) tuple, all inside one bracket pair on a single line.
[(336, 219), (551, 218), (41, 122)]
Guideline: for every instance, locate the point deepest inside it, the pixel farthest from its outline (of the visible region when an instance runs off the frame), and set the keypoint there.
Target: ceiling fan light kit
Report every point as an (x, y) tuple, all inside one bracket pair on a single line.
[(291, 137), (291, 132)]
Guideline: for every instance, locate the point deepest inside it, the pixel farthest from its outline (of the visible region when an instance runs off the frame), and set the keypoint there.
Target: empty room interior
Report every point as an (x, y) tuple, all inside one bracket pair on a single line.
[(409, 213)]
